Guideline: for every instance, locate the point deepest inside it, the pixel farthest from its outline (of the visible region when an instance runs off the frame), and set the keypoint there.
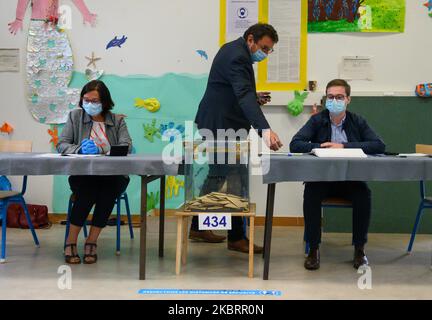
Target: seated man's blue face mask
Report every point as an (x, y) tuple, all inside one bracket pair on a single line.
[(335, 107)]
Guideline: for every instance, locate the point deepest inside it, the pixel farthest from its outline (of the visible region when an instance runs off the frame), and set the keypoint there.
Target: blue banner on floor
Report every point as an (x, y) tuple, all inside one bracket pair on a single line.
[(210, 292)]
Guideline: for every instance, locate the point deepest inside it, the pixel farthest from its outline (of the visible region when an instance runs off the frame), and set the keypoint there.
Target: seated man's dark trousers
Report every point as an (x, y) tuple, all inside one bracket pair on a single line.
[(355, 191)]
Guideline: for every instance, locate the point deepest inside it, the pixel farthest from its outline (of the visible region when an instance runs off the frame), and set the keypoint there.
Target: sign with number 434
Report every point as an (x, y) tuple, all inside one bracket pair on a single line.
[(214, 221)]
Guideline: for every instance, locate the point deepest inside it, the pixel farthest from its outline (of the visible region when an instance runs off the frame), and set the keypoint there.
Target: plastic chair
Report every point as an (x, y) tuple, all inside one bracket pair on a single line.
[(425, 202), (123, 197), (8, 197), (329, 203)]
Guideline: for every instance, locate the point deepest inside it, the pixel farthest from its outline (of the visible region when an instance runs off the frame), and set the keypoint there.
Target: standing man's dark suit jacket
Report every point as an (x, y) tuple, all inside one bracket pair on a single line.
[(230, 100)]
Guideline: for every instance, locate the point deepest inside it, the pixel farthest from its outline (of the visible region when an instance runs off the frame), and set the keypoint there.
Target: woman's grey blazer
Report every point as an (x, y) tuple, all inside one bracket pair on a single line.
[(79, 125)]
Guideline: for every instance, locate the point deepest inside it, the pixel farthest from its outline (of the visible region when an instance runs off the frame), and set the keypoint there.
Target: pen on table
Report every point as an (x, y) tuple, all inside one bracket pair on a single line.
[(291, 154)]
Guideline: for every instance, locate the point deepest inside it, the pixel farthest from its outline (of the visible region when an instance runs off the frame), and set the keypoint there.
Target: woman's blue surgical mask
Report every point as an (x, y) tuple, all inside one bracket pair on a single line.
[(259, 56), (92, 109), (335, 107)]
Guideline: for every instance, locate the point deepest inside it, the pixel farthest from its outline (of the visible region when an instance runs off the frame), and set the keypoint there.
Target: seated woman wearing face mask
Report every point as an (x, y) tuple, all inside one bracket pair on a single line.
[(92, 129)]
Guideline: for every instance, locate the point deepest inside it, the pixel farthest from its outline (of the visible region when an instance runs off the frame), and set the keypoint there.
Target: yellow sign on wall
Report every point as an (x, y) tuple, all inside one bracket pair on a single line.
[(286, 69)]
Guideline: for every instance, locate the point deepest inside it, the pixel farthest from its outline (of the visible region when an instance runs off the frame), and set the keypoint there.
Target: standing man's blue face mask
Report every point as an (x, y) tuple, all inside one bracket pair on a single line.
[(262, 52), (259, 56)]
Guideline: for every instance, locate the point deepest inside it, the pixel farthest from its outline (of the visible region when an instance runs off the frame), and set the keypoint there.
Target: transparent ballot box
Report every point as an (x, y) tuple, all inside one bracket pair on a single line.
[(216, 176)]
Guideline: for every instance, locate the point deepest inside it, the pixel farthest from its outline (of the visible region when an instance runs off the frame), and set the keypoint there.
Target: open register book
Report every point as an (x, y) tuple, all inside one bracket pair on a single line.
[(338, 153)]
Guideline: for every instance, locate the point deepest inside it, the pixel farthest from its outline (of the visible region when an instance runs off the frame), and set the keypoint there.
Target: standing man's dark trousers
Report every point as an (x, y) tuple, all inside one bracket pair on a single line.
[(235, 177), (355, 191)]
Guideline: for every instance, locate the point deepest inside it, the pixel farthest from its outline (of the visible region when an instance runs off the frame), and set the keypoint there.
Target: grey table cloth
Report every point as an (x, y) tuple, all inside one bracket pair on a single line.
[(373, 168), (33, 164)]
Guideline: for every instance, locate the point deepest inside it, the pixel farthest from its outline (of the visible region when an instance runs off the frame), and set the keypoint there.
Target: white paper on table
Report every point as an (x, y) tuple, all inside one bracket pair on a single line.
[(356, 68), (284, 63), (412, 155), (49, 155), (338, 153), (75, 155)]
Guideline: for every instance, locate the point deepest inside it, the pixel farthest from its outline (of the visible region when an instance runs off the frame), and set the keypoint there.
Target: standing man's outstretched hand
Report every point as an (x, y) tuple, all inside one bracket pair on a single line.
[(272, 140), (263, 97)]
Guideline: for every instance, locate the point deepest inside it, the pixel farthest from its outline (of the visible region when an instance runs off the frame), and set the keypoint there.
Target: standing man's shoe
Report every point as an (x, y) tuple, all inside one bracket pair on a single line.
[(205, 236), (360, 258), (243, 246), (312, 261)]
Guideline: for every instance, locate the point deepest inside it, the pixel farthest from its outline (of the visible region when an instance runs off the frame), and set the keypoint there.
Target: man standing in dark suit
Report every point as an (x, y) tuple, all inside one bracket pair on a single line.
[(231, 102)]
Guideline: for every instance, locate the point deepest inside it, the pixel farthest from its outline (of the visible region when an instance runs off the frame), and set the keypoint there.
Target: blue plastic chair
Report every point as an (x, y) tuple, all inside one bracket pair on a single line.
[(14, 197), (329, 203), (425, 203), (123, 197)]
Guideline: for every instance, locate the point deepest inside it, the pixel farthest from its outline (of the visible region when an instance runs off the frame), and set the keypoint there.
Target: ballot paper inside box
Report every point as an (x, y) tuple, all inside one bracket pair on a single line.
[(216, 176)]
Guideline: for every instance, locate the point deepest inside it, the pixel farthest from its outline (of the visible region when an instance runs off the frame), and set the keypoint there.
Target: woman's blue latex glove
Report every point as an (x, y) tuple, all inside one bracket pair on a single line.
[(89, 147), (83, 143)]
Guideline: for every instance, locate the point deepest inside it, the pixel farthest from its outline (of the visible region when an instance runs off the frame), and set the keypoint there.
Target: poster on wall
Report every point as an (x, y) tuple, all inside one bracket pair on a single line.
[(286, 67), (240, 15), (9, 60), (284, 63), (356, 16)]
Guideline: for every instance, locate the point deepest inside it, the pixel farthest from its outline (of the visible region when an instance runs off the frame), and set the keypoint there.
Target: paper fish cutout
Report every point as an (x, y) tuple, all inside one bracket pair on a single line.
[(116, 42), (202, 54), (295, 107), (151, 104), (6, 128), (54, 136), (93, 74)]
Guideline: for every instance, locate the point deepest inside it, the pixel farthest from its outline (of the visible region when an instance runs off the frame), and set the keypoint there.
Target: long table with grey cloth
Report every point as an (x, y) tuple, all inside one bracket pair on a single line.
[(283, 168), (149, 167)]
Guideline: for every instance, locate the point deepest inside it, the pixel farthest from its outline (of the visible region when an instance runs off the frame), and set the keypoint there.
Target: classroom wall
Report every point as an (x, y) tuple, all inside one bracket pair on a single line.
[(163, 36)]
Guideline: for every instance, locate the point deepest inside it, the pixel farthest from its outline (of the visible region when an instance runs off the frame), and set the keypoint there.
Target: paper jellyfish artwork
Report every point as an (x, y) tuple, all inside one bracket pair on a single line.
[(151, 131), (49, 60)]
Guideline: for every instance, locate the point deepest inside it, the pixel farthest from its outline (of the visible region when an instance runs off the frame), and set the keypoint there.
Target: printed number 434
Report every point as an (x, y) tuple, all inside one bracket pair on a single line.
[(215, 221)]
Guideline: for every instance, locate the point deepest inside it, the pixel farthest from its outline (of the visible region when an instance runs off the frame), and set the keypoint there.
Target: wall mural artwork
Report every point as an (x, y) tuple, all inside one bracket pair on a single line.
[(356, 15), (49, 60)]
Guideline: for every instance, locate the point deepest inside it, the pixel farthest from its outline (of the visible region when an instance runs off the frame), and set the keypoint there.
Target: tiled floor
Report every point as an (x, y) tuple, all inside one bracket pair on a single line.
[(32, 272)]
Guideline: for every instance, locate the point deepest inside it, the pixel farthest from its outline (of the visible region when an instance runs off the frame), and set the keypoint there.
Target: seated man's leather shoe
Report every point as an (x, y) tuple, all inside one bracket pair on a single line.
[(360, 258), (243, 246), (312, 261), (205, 236)]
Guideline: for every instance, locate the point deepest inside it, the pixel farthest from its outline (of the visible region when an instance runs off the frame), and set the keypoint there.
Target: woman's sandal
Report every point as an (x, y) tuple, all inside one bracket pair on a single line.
[(73, 258), (90, 258)]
